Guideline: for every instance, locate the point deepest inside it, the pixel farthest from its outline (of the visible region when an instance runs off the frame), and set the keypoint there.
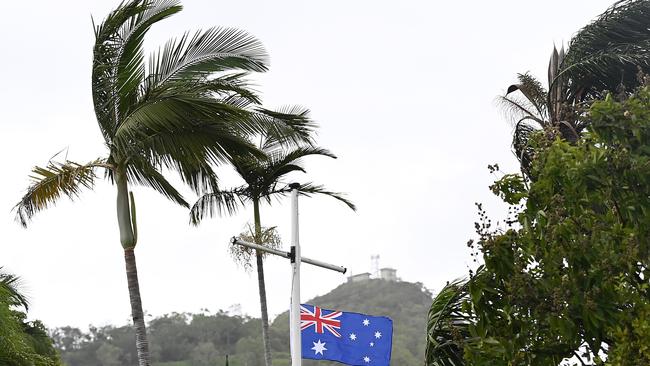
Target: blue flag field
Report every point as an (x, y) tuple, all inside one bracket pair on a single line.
[(350, 338)]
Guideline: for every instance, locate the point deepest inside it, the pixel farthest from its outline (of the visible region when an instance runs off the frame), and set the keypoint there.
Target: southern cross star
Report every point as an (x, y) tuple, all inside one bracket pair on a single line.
[(377, 334), (366, 322), (319, 347), (372, 344), (353, 336), (366, 359)]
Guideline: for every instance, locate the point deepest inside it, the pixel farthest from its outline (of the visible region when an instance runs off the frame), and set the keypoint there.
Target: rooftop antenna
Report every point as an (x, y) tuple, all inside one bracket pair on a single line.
[(375, 265)]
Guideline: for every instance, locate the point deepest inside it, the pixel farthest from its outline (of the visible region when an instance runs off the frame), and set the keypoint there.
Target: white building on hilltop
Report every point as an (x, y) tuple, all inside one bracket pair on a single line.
[(388, 274), (359, 277)]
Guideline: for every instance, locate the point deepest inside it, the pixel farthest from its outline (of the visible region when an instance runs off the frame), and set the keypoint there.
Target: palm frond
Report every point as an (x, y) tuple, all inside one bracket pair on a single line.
[(10, 286), (534, 92), (608, 52), (233, 88), (178, 110), (309, 189), (51, 182), (220, 203), (516, 107), (204, 53), (287, 126), (140, 171), (448, 326), (521, 143), (130, 69), (105, 54), (191, 150), (118, 69), (281, 157)]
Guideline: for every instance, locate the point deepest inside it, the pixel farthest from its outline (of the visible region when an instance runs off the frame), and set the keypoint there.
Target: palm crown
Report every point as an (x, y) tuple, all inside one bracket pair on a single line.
[(184, 110), (604, 56), (264, 177)]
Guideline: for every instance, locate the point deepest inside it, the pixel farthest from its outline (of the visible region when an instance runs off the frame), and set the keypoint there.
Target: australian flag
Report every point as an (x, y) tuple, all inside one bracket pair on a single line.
[(350, 338)]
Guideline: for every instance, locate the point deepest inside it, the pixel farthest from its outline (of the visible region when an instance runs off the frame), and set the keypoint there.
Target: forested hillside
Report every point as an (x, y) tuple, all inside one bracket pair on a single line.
[(205, 339)]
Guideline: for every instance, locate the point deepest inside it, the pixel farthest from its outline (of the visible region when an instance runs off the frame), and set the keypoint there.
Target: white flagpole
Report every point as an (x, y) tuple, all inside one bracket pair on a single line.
[(294, 323)]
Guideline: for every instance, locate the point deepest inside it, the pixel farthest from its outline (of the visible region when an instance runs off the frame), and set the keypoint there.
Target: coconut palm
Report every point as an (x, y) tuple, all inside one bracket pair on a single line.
[(264, 181), (186, 108), (606, 55)]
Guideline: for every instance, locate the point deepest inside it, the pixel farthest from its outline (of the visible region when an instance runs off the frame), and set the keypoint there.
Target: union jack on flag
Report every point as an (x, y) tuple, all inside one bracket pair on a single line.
[(319, 320)]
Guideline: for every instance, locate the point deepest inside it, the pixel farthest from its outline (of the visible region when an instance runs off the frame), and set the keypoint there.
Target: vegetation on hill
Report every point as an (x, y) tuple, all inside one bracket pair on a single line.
[(205, 339)]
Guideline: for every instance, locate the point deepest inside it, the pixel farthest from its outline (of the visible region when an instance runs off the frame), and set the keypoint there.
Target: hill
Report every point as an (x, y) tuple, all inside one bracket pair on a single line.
[(204, 339)]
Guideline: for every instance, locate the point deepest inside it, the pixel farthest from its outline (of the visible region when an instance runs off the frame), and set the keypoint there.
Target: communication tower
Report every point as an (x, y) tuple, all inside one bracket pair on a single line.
[(374, 259)]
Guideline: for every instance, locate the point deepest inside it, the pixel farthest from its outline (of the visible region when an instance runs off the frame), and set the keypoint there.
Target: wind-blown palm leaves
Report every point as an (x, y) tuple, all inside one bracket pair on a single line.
[(9, 286), (189, 107), (448, 326), (606, 55), (264, 181)]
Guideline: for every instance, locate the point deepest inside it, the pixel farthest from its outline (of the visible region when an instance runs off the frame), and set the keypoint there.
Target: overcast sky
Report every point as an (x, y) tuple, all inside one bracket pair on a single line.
[(403, 91)]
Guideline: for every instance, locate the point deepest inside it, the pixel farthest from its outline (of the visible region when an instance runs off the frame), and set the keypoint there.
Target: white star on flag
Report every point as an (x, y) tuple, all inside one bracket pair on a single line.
[(319, 347), (353, 336), (372, 344), (366, 359), (366, 322), (378, 334)]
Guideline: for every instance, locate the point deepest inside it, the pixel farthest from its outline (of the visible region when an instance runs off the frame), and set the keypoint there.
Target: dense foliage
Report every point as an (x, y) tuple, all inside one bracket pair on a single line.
[(205, 339), (566, 278), (22, 342)]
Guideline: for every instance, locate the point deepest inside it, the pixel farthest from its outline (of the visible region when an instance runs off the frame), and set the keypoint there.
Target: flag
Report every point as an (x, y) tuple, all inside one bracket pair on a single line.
[(350, 338)]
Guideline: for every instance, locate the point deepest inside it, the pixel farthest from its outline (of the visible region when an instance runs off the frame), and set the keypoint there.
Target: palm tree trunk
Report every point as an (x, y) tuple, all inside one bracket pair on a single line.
[(261, 285), (128, 240), (141, 343)]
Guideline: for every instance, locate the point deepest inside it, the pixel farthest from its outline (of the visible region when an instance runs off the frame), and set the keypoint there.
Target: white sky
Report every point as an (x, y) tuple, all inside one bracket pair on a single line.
[(404, 93)]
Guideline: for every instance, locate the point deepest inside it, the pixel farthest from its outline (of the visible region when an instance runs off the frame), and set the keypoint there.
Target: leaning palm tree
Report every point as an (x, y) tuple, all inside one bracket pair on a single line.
[(604, 56), (186, 109), (264, 181)]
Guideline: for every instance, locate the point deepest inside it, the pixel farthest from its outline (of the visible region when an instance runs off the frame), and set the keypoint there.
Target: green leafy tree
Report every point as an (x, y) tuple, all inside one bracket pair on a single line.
[(264, 181), (566, 280), (605, 55), (185, 109), (22, 343)]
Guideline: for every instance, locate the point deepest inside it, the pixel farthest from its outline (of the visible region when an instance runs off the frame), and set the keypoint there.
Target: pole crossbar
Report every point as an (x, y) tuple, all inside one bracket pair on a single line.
[(296, 258), (314, 262)]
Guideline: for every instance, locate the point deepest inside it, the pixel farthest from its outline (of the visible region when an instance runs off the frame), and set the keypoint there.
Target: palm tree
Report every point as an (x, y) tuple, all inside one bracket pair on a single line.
[(188, 107), (448, 324), (264, 181), (607, 55)]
